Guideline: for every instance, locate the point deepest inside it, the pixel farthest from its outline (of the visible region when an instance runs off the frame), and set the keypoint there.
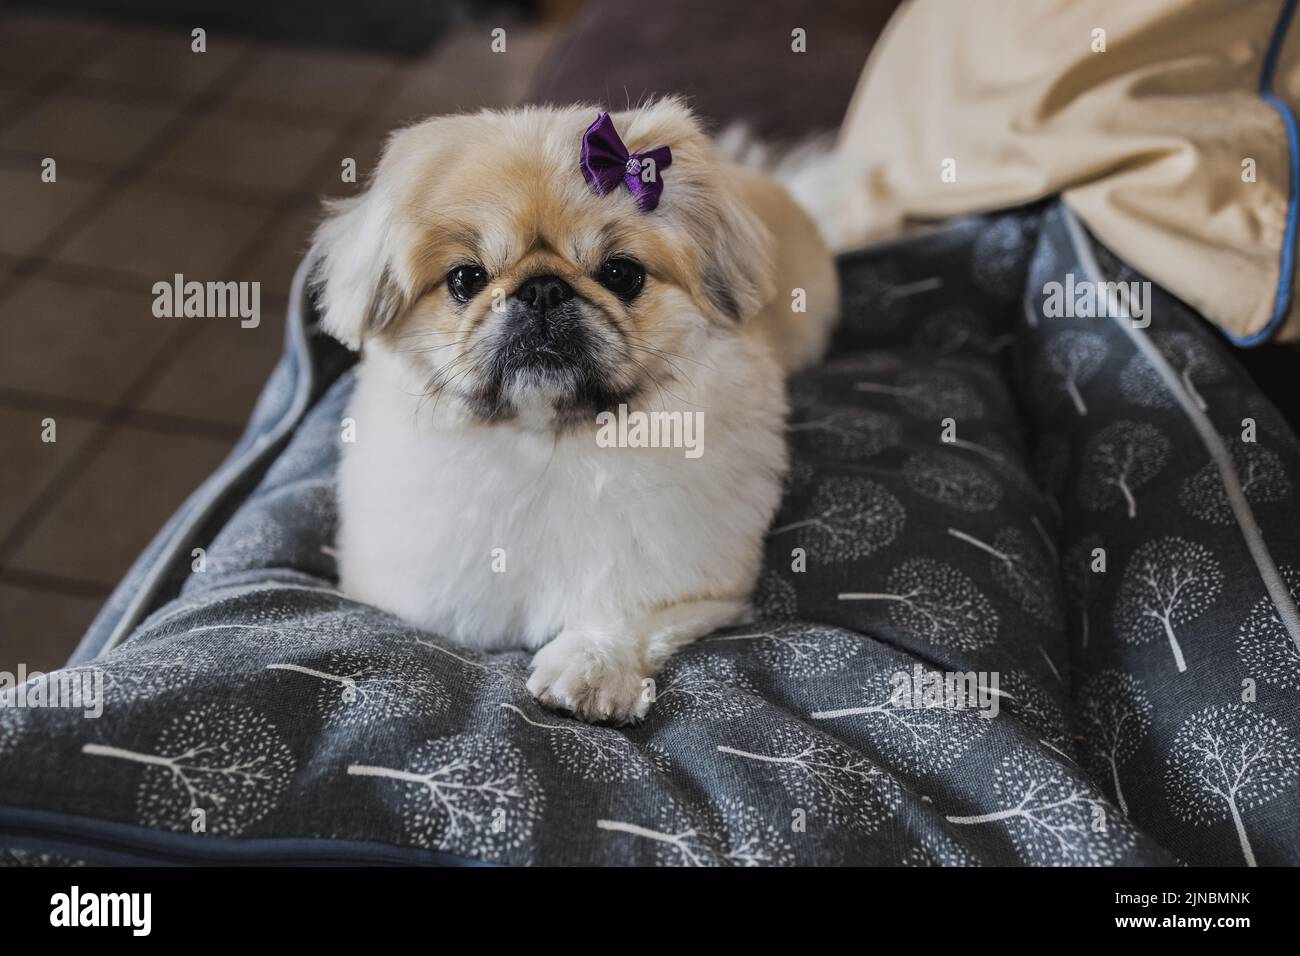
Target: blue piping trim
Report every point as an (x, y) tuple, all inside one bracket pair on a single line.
[(1282, 304), (107, 842)]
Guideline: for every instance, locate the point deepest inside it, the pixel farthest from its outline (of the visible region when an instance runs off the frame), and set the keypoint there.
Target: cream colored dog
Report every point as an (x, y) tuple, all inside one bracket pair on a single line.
[(501, 305)]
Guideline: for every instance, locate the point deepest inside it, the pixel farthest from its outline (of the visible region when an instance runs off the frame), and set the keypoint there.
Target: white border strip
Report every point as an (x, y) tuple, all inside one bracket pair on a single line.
[(1273, 583)]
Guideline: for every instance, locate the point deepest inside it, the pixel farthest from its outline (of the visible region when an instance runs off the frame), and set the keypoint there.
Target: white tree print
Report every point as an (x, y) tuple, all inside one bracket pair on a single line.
[(1262, 475), (270, 630), (227, 761), (1194, 361), (918, 739), (12, 856), (999, 257), (1268, 651), (1227, 760), (1116, 715), (930, 395), (1069, 360), (1022, 570), (1009, 459), (799, 474), (847, 519), (937, 850), (797, 649), (473, 795), (595, 753), (1270, 421), (360, 689), (90, 684), (730, 833), (1119, 460), (1142, 385), (1006, 459), (1025, 699), (508, 669), (858, 365), (8, 729), (247, 544), (1043, 268), (775, 598), (143, 668), (825, 777), (937, 603), (126, 679), (883, 294), (949, 480), (705, 686), (1168, 582), (847, 433), (951, 330), (1052, 817)]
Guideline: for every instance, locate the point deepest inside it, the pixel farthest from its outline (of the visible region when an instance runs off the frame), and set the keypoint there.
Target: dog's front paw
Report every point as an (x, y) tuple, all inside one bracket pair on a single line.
[(595, 679)]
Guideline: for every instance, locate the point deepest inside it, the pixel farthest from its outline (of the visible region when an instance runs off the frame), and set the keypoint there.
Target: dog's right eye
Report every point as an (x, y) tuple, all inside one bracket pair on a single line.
[(465, 282)]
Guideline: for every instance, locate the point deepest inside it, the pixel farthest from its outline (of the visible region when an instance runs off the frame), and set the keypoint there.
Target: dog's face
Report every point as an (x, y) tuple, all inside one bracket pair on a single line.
[(483, 260)]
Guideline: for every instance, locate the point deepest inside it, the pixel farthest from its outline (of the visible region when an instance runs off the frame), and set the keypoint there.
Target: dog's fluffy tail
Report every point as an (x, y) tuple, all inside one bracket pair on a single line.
[(816, 175)]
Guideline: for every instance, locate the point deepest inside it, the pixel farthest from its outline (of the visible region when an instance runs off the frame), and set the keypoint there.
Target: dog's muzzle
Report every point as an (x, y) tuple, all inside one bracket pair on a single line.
[(544, 329)]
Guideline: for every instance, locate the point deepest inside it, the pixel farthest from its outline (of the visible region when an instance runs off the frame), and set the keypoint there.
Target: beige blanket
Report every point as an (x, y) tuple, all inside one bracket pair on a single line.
[(1145, 114)]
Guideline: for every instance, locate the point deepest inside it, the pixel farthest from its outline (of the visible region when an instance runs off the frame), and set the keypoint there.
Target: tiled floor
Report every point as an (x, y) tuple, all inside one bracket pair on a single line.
[(207, 164)]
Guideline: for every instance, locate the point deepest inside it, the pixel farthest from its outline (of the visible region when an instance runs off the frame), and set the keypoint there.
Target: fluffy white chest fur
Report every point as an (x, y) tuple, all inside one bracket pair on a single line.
[(508, 286), (502, 535)]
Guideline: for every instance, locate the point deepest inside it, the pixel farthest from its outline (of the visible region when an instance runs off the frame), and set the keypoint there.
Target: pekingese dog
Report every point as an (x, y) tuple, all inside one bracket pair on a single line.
[(536, 297)]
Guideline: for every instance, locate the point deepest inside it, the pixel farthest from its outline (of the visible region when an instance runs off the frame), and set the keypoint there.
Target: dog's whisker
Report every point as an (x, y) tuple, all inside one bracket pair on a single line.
[(677, 373), (421, 333), (474, 368), (432, 348)]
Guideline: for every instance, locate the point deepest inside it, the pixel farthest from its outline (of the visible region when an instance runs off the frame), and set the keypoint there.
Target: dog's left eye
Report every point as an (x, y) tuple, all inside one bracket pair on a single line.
[(623, 277), (465, 282)]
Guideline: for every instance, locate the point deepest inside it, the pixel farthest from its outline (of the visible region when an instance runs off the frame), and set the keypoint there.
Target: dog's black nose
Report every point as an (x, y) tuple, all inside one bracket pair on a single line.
[(544, 292)]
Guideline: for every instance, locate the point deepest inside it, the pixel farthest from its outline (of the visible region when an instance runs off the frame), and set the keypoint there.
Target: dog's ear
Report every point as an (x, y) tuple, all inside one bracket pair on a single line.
[(737, 254), (709, 197), (365, 249), (355, 272)]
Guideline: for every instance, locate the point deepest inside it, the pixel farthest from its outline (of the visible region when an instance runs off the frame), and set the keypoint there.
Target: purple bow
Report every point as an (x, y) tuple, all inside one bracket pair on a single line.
[(605, 161)]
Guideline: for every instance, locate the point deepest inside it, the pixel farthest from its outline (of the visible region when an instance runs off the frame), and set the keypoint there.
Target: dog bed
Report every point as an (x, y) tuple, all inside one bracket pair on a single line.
[(1064, 504)]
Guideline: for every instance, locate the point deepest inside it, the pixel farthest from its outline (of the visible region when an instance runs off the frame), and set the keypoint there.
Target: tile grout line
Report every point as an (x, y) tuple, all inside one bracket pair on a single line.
[(287, 203), (59, 79), (131, 94), (208, 497), (63, 478), (53, 583), (86, 453), (91, 410), (180, 184), (130, 172), (106, 278)]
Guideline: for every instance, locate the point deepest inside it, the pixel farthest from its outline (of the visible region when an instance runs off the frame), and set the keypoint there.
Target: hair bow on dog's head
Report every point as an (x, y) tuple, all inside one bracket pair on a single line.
[(605, 161)]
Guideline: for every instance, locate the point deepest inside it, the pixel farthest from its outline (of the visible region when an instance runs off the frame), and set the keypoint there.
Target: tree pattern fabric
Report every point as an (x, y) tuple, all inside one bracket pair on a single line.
[(975, 488)]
